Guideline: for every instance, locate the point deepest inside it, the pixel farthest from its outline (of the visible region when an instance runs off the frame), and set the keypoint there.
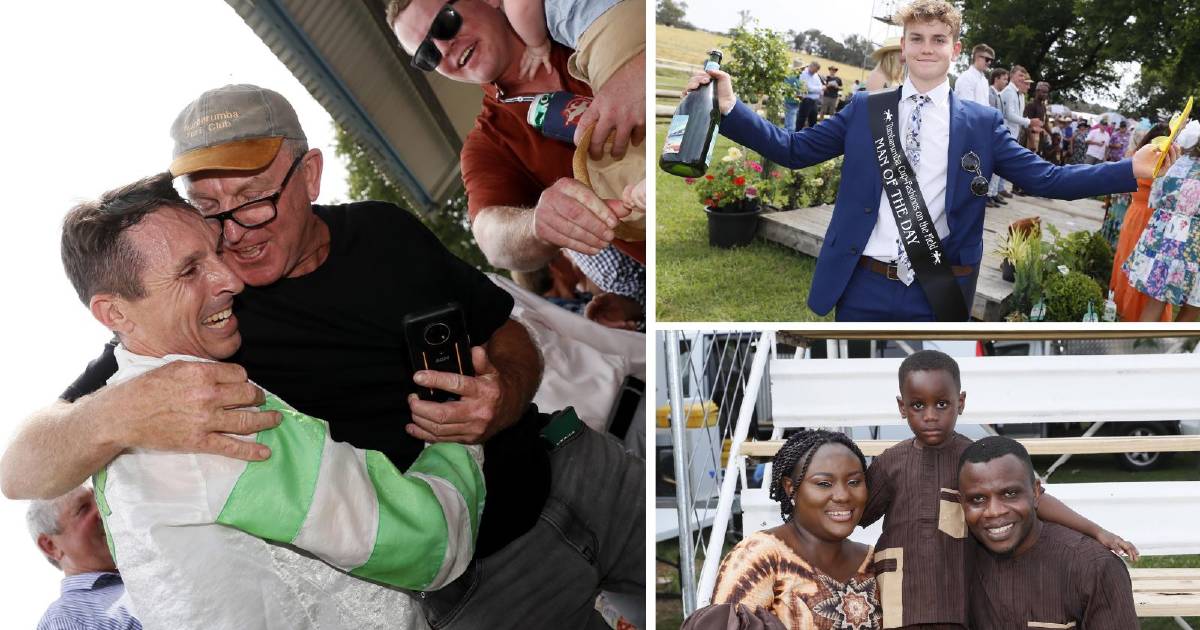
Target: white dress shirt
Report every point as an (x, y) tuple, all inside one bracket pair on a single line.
[(884, 243), (812, 81), (972, 86)]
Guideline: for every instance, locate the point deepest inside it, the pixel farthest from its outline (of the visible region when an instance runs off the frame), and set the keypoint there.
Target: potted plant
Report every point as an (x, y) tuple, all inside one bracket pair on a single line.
[(732, 196), (1016, 245)]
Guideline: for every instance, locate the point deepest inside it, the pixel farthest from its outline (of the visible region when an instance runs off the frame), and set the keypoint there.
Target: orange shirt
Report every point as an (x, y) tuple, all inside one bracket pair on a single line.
[(506, 162)]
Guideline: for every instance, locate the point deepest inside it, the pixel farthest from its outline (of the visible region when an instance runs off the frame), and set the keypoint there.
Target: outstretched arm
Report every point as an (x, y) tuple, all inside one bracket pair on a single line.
[(184, 407), (1055, 511)]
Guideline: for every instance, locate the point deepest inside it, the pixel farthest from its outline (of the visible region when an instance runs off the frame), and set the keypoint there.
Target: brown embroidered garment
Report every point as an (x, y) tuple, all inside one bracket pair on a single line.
[(763, 572), (1065, 580), (922, 556)]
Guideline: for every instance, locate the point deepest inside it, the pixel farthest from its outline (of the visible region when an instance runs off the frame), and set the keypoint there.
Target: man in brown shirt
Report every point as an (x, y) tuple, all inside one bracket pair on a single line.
[(1030, 573)]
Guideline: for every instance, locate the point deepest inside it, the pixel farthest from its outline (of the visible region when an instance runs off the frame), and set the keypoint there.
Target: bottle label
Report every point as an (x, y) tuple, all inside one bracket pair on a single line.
[(711, 65), (675, 134), (557, 114)]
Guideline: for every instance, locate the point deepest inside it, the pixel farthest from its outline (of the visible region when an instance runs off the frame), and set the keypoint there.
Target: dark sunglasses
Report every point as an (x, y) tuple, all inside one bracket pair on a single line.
[(987, 60), (970, 164), (444, 27)]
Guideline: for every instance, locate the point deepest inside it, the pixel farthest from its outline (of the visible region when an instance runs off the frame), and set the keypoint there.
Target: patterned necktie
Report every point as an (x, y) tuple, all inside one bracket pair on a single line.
[(912, 148)]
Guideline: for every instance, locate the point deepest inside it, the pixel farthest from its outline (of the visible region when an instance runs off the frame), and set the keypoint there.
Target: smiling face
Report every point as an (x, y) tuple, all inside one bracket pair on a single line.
[(481, 51), (290, 245), (187, 300), (927, 47), (930, 402), (1000, 503), (79, 546), (829, 501)]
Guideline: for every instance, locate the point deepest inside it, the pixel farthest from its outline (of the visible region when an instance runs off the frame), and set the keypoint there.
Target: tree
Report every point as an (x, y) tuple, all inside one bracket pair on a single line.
[(1076, 46), (858, 48), (1169, 78), (758, 61), (672, 13), (744, 18), (449, 222)]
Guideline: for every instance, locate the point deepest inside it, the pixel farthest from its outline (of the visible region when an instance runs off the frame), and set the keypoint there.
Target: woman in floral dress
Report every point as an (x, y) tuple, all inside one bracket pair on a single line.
[(804, 574), (1079, 143), (1165, 263)]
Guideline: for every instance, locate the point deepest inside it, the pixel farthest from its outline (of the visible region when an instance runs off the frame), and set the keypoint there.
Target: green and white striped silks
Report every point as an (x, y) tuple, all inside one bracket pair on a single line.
[(204, 541)]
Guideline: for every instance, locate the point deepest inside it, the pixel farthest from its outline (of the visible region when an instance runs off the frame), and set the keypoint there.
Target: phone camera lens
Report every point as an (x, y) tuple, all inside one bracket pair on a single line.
[(437, 334)]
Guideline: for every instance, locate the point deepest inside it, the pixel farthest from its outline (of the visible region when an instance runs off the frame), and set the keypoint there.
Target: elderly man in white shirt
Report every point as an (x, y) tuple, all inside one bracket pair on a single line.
[(811, 86), (973, 85)]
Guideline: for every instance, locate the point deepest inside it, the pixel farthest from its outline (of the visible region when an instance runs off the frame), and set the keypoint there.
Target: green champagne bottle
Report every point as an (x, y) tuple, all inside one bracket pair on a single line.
[(692, 134)]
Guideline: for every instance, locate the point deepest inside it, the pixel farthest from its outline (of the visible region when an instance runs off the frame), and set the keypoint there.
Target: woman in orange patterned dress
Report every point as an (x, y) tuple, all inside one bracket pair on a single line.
[(1129, 300), (804, 574)]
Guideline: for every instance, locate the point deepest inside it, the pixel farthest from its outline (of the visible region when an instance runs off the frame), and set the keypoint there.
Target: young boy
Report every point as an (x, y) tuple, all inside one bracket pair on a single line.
[(906, 238), (922, 554)]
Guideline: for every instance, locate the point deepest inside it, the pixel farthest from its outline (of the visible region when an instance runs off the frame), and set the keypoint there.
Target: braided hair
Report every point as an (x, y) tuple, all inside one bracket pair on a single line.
[(795, 456)]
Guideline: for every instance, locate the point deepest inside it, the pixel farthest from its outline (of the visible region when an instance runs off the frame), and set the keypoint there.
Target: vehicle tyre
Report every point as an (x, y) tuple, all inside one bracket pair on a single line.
[(1138, 462)]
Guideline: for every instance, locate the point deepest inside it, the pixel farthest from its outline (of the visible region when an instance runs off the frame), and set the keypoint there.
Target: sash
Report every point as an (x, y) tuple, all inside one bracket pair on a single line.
[(917, 233)]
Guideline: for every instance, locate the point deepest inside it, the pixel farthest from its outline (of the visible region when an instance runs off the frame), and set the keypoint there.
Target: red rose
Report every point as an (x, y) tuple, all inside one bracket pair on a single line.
[(739, 180), (708, 177)]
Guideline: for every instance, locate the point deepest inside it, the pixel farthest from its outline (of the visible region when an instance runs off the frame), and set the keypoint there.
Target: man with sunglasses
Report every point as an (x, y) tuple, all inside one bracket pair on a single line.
[(972, 84), (525, 206), (906, 237), (321, 323)]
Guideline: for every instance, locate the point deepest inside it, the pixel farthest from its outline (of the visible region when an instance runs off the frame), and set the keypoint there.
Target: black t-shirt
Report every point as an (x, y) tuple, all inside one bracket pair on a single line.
[(331, 344), (833, 86)]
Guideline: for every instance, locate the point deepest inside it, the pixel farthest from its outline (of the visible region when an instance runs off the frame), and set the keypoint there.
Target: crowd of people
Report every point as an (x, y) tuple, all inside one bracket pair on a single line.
[(970, 539), (262, 448), (1156, 243)]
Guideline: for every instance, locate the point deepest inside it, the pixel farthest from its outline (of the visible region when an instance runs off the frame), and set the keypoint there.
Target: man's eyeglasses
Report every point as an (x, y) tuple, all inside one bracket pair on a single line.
[(987, 60), (255, 213), (970, 164), (444, 27)]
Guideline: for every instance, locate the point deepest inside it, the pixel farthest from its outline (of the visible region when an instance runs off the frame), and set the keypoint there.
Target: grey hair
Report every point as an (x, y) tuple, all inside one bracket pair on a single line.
[(42, 518)]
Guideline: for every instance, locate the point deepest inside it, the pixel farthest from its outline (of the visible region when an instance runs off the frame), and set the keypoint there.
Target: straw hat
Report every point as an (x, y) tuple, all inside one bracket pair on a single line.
[(889, 45)]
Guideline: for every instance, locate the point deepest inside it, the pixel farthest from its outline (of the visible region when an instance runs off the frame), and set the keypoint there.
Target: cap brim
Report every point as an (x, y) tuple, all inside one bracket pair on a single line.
[(240, 155)]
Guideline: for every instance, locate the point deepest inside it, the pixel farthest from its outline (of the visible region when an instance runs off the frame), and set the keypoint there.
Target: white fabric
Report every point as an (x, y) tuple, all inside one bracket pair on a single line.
[(972, 85), (182, 570), (455, 509), (585, 363), (1097, 150), (812, 81), (1013, 109), (884, 243), (352, 514)]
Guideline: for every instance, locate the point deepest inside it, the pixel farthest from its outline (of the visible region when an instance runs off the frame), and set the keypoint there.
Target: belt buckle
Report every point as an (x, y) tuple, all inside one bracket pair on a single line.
[(891, 272)]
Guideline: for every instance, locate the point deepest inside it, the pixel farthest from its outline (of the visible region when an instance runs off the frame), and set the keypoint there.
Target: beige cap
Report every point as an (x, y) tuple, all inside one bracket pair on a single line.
[(236, 127), (889, 45)]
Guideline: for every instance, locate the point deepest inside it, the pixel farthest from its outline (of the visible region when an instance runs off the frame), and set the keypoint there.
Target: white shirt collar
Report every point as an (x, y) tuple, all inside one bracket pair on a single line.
[(940, 95)]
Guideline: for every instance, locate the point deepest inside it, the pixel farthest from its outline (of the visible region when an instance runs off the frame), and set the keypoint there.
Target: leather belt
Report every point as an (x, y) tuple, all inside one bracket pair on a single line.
[(889, 271)]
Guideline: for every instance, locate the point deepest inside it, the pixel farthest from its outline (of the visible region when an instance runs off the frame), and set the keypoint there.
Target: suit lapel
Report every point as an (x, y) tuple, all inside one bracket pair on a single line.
[(958, 140)]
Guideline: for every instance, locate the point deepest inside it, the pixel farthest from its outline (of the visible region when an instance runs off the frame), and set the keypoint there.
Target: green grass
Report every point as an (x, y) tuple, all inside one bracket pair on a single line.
[(762, 281)]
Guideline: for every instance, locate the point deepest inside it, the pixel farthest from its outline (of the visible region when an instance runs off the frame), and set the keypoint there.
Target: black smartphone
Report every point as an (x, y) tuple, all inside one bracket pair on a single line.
[(438, 340)]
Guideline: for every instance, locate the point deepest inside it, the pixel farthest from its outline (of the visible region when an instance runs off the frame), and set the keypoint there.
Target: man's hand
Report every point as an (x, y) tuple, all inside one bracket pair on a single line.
[(571, 215), (469, 420), (1147, 156), (725, 96), (1117, 545), (615, 311), (619, 107), (188, 407)]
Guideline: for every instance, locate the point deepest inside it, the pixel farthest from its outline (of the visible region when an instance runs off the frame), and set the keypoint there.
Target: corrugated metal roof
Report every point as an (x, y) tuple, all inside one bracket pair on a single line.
[(343, 53)]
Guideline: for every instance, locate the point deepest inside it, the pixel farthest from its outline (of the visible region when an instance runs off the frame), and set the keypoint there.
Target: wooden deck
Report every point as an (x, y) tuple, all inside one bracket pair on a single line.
[(804, 230)]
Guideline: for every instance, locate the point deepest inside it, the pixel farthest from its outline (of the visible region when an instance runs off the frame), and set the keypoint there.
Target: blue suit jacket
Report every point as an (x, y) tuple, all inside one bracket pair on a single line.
[(973, 127)]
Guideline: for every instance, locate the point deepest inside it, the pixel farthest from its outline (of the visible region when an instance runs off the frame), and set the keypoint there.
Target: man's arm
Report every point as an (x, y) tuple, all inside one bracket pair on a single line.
[(792, 150), (184, 407), (508, 371), (568, 214)]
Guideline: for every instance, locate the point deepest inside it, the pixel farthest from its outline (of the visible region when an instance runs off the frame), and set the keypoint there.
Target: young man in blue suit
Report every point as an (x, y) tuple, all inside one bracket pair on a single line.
[(906, 237)]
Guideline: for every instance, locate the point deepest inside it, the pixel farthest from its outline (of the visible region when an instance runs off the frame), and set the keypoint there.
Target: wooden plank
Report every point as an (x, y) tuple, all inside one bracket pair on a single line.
[(804, 230), (1147, 575), (1035, 446), (1167, 586), (1166, 605)]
